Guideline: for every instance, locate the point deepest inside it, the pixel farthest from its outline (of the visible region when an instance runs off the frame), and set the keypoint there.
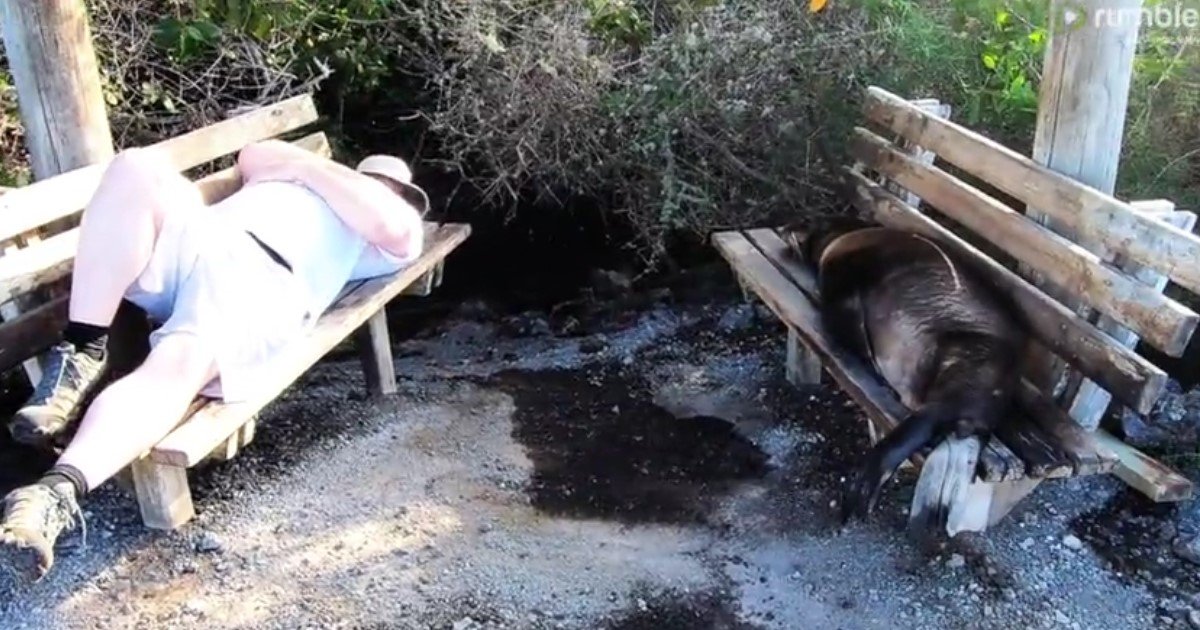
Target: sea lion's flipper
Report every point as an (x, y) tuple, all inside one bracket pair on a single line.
[(913, 433)]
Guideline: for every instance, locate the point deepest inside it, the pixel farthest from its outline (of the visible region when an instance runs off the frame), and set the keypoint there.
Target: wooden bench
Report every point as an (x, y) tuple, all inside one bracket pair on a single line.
[(1089, 292), (37, 223)]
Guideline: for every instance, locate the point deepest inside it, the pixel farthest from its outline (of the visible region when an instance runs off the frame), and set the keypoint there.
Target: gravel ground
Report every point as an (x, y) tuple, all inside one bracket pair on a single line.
[(644, 468)]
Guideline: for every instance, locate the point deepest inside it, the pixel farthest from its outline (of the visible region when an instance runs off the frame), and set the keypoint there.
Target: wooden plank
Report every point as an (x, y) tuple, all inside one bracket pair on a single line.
[(1091, 214), (919, 153), (375, 352), (11, 310), (199, 435), (782, 296), (32, 332), (803, 366), (1091, 400), (1146, 474), (29, 207), (1130, 377), (162, 493), (1086, 454), (48, 45), (30, 268), (50, 260), (1163, 322), (1041, 454), (221, 184)]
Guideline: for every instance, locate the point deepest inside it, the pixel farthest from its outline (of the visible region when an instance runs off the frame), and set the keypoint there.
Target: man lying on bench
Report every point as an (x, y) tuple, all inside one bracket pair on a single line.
[(231, 283)]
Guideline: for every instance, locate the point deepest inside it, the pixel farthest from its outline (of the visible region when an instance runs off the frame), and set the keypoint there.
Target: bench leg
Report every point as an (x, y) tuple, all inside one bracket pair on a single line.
[(425, 285), (803, 366), (162, 494), (375, 350), (987, 504)]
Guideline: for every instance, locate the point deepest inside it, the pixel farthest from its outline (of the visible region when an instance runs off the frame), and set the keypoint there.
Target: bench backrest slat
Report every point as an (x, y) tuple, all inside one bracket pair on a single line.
[(1161, 321), (27, 208), (1130, 377), (26, 271), (1101, 259), (1091, 214)]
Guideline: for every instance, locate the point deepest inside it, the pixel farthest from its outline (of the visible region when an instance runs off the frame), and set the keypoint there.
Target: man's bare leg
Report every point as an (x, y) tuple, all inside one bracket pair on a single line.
[(119, 229), (134, 413), (126, 419)]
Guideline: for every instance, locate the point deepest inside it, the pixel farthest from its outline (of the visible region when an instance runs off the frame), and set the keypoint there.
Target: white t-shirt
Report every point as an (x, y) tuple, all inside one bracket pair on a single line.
[(323, 251)]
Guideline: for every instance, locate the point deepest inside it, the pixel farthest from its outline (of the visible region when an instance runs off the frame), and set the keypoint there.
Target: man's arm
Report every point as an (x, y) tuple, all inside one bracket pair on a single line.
[(368, 206)]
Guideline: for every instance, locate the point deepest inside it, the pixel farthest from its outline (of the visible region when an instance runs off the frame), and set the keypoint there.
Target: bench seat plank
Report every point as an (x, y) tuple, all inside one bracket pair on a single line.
[(207, 429), (1040, 442), (783, 297)]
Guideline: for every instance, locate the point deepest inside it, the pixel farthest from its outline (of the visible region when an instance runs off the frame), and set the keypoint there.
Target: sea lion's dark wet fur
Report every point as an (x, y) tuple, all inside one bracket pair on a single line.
[(939, 335)]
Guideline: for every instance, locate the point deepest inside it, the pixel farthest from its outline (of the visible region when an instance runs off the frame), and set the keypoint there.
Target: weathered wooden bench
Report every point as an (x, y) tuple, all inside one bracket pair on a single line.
[(37, 222), (1089, 291)]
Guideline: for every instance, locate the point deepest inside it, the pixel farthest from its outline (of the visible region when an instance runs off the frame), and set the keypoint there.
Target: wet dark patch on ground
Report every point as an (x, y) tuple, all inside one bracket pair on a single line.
[(1134, 536), (674, 611), (601, 448)]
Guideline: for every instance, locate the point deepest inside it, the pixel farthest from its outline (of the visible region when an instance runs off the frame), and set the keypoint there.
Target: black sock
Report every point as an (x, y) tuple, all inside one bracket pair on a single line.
[(60, 473), (88, 339)]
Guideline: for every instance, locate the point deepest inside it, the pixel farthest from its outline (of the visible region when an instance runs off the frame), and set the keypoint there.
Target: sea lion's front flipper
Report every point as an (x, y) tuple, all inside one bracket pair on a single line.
[(917, 430)]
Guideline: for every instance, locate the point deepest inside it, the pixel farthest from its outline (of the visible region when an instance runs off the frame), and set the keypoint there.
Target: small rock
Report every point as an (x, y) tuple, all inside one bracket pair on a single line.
[(1061, 617), (208, 543), (1193, 618), (466, 623), (956, 561), (593, 345), (1027, 544), (196, 607), (1188, 549), (611, 282), (1072, 542), (642, 605)]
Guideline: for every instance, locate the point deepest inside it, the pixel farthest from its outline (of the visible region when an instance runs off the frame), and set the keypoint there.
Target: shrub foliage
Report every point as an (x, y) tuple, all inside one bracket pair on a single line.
[(680, 115)]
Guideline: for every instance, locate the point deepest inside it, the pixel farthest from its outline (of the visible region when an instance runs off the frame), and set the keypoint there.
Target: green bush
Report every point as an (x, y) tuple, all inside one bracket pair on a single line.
[(680, 115)]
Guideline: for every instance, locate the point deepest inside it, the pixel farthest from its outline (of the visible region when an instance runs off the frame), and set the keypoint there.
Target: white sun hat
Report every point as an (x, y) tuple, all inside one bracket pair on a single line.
[(396, 170)]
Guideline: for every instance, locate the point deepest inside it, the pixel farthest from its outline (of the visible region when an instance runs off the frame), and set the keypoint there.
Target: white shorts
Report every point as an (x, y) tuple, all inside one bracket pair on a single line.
[(210, 279)]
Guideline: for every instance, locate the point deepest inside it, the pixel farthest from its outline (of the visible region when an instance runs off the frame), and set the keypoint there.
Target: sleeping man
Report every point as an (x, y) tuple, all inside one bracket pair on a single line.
[(230, 283)]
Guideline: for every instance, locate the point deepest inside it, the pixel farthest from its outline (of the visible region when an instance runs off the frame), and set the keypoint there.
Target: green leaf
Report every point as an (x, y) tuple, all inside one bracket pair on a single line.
[(990, 60)]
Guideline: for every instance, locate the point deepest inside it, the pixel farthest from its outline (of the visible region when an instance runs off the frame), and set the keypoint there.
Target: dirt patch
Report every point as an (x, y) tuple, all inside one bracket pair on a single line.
[(499, 489), (679, 611), (601, 449)]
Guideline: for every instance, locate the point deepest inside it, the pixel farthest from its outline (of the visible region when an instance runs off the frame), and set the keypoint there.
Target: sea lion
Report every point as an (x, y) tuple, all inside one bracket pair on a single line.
[(943, 338)]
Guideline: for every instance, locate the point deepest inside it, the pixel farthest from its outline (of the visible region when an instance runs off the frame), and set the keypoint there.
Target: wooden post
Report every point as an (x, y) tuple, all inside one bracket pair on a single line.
[(49, 48), (50, 54), (1081, 114)]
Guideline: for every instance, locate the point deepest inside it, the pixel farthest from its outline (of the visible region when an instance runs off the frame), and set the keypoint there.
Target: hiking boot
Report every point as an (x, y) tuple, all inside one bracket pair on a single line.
[(70, 378), (34, 517)]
